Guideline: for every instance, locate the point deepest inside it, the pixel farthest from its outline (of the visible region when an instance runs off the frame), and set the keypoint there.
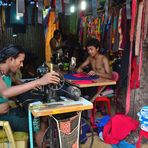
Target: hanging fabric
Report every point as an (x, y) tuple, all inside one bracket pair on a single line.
[(94, 8), (3, 19), (58, 6), (119, 28), (40, 13), (137, 59), (138, 28), (134, 8), (46, 3), (106, 10), (146, 18), (52, 26), (0, 19), (128, 9)]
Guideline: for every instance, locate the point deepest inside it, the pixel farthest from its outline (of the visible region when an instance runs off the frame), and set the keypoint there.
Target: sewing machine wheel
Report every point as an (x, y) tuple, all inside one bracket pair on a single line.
[(58, 86)]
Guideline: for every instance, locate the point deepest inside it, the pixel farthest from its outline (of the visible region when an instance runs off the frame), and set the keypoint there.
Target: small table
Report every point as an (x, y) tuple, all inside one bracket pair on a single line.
[(50, 109), (100, 82)]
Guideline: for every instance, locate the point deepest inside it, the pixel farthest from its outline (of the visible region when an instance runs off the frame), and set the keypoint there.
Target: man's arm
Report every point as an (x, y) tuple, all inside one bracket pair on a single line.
[(83, 65), (19, 89), (108, 73)]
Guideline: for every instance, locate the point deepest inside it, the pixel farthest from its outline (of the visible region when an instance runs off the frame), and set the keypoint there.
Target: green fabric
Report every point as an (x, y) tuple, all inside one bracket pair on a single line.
[(8, 82), (18, 136), (2, 134)]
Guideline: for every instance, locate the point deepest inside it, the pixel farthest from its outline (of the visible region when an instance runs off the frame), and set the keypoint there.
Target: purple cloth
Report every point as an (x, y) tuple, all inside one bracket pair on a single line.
[(73, 77)]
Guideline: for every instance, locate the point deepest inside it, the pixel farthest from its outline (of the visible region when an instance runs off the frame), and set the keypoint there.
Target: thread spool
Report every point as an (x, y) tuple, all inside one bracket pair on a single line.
[(51, 67)]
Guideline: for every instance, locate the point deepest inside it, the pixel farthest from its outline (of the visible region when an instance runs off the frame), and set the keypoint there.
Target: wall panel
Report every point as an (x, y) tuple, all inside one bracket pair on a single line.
[(33, 40)]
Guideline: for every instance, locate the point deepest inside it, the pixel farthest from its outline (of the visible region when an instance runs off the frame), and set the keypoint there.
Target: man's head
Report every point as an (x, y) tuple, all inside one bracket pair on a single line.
[(93, 46), (57, 34), (12, 58)]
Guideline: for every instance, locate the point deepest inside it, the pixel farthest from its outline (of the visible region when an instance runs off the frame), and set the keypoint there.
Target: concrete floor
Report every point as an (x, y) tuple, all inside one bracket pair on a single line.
[(100, 144)]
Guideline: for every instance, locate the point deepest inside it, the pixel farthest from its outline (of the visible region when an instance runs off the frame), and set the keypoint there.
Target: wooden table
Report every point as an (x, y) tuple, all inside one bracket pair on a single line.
[(96, 82), (50, 109), (100, 82), (61, 107)]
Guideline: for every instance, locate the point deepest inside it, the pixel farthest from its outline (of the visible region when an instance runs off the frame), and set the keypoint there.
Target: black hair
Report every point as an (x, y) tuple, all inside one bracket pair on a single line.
[(56, 32), (10, 51), (93, 42)]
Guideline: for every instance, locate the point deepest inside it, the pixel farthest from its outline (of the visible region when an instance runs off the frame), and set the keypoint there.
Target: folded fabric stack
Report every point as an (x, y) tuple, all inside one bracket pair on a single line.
[(107, 92), (143, 118)]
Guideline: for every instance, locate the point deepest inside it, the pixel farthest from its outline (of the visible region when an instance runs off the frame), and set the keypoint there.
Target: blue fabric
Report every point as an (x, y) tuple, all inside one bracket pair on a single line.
[(123, 144), (101, 122), (71, 77), (7, 80), (85, 130)]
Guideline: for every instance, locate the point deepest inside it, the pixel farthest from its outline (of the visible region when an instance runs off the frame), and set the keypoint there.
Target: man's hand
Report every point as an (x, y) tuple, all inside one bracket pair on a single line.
[(48, 78), (92, 73)]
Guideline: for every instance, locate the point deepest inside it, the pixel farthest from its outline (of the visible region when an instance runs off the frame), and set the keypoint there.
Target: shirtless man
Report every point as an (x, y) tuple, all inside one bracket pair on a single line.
[(99, 63), (11, 59)]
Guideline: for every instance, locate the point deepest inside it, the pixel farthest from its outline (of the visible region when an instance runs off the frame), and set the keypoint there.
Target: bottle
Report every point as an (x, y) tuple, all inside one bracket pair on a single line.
[(72, 64), (66, 62)]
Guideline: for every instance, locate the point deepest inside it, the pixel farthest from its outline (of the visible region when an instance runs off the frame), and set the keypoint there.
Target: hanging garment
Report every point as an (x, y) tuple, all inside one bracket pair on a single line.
[(146, 18), (115, 37), (3, 19), (134, 83), (124, 30), (0, 19), (134, 7), (119, 28), (138, 28), (40, 13), (52, 26)]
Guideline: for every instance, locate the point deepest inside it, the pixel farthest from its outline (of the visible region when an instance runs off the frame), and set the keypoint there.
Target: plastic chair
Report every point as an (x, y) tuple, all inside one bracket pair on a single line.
[(141, 135), (115, 76), (10, 139)]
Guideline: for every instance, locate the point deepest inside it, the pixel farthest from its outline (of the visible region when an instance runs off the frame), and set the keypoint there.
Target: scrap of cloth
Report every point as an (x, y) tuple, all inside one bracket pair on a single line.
[(118, 127), (79, 76), (82, 81)]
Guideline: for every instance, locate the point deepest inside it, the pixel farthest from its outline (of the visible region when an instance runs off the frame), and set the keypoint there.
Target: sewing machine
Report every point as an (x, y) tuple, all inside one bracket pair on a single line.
[(53, 92)]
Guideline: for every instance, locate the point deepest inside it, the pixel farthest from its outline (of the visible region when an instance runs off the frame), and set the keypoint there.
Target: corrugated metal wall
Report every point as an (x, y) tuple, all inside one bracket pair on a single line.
[(33, 40)]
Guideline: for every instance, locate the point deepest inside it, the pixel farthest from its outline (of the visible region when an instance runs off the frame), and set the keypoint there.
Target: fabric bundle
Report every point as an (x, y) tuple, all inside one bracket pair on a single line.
[(143, 118)]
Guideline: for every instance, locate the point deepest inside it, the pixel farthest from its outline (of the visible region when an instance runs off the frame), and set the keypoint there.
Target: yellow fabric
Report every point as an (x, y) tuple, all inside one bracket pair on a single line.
[(2, 134), (18, 136), (52, 26)]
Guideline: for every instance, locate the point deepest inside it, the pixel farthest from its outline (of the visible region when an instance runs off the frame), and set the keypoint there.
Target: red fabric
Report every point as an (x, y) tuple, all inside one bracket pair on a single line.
[(82, 81), (81, 75), (118, 128), (135, 83), (134, 10)]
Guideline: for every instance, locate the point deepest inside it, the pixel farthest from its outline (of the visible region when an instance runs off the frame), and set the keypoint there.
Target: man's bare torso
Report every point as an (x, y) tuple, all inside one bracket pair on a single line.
[(97, 63)]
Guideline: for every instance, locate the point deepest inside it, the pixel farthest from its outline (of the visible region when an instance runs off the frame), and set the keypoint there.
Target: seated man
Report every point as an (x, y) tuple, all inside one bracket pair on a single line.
[(11, 59), (98, 62), (56, 43)]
